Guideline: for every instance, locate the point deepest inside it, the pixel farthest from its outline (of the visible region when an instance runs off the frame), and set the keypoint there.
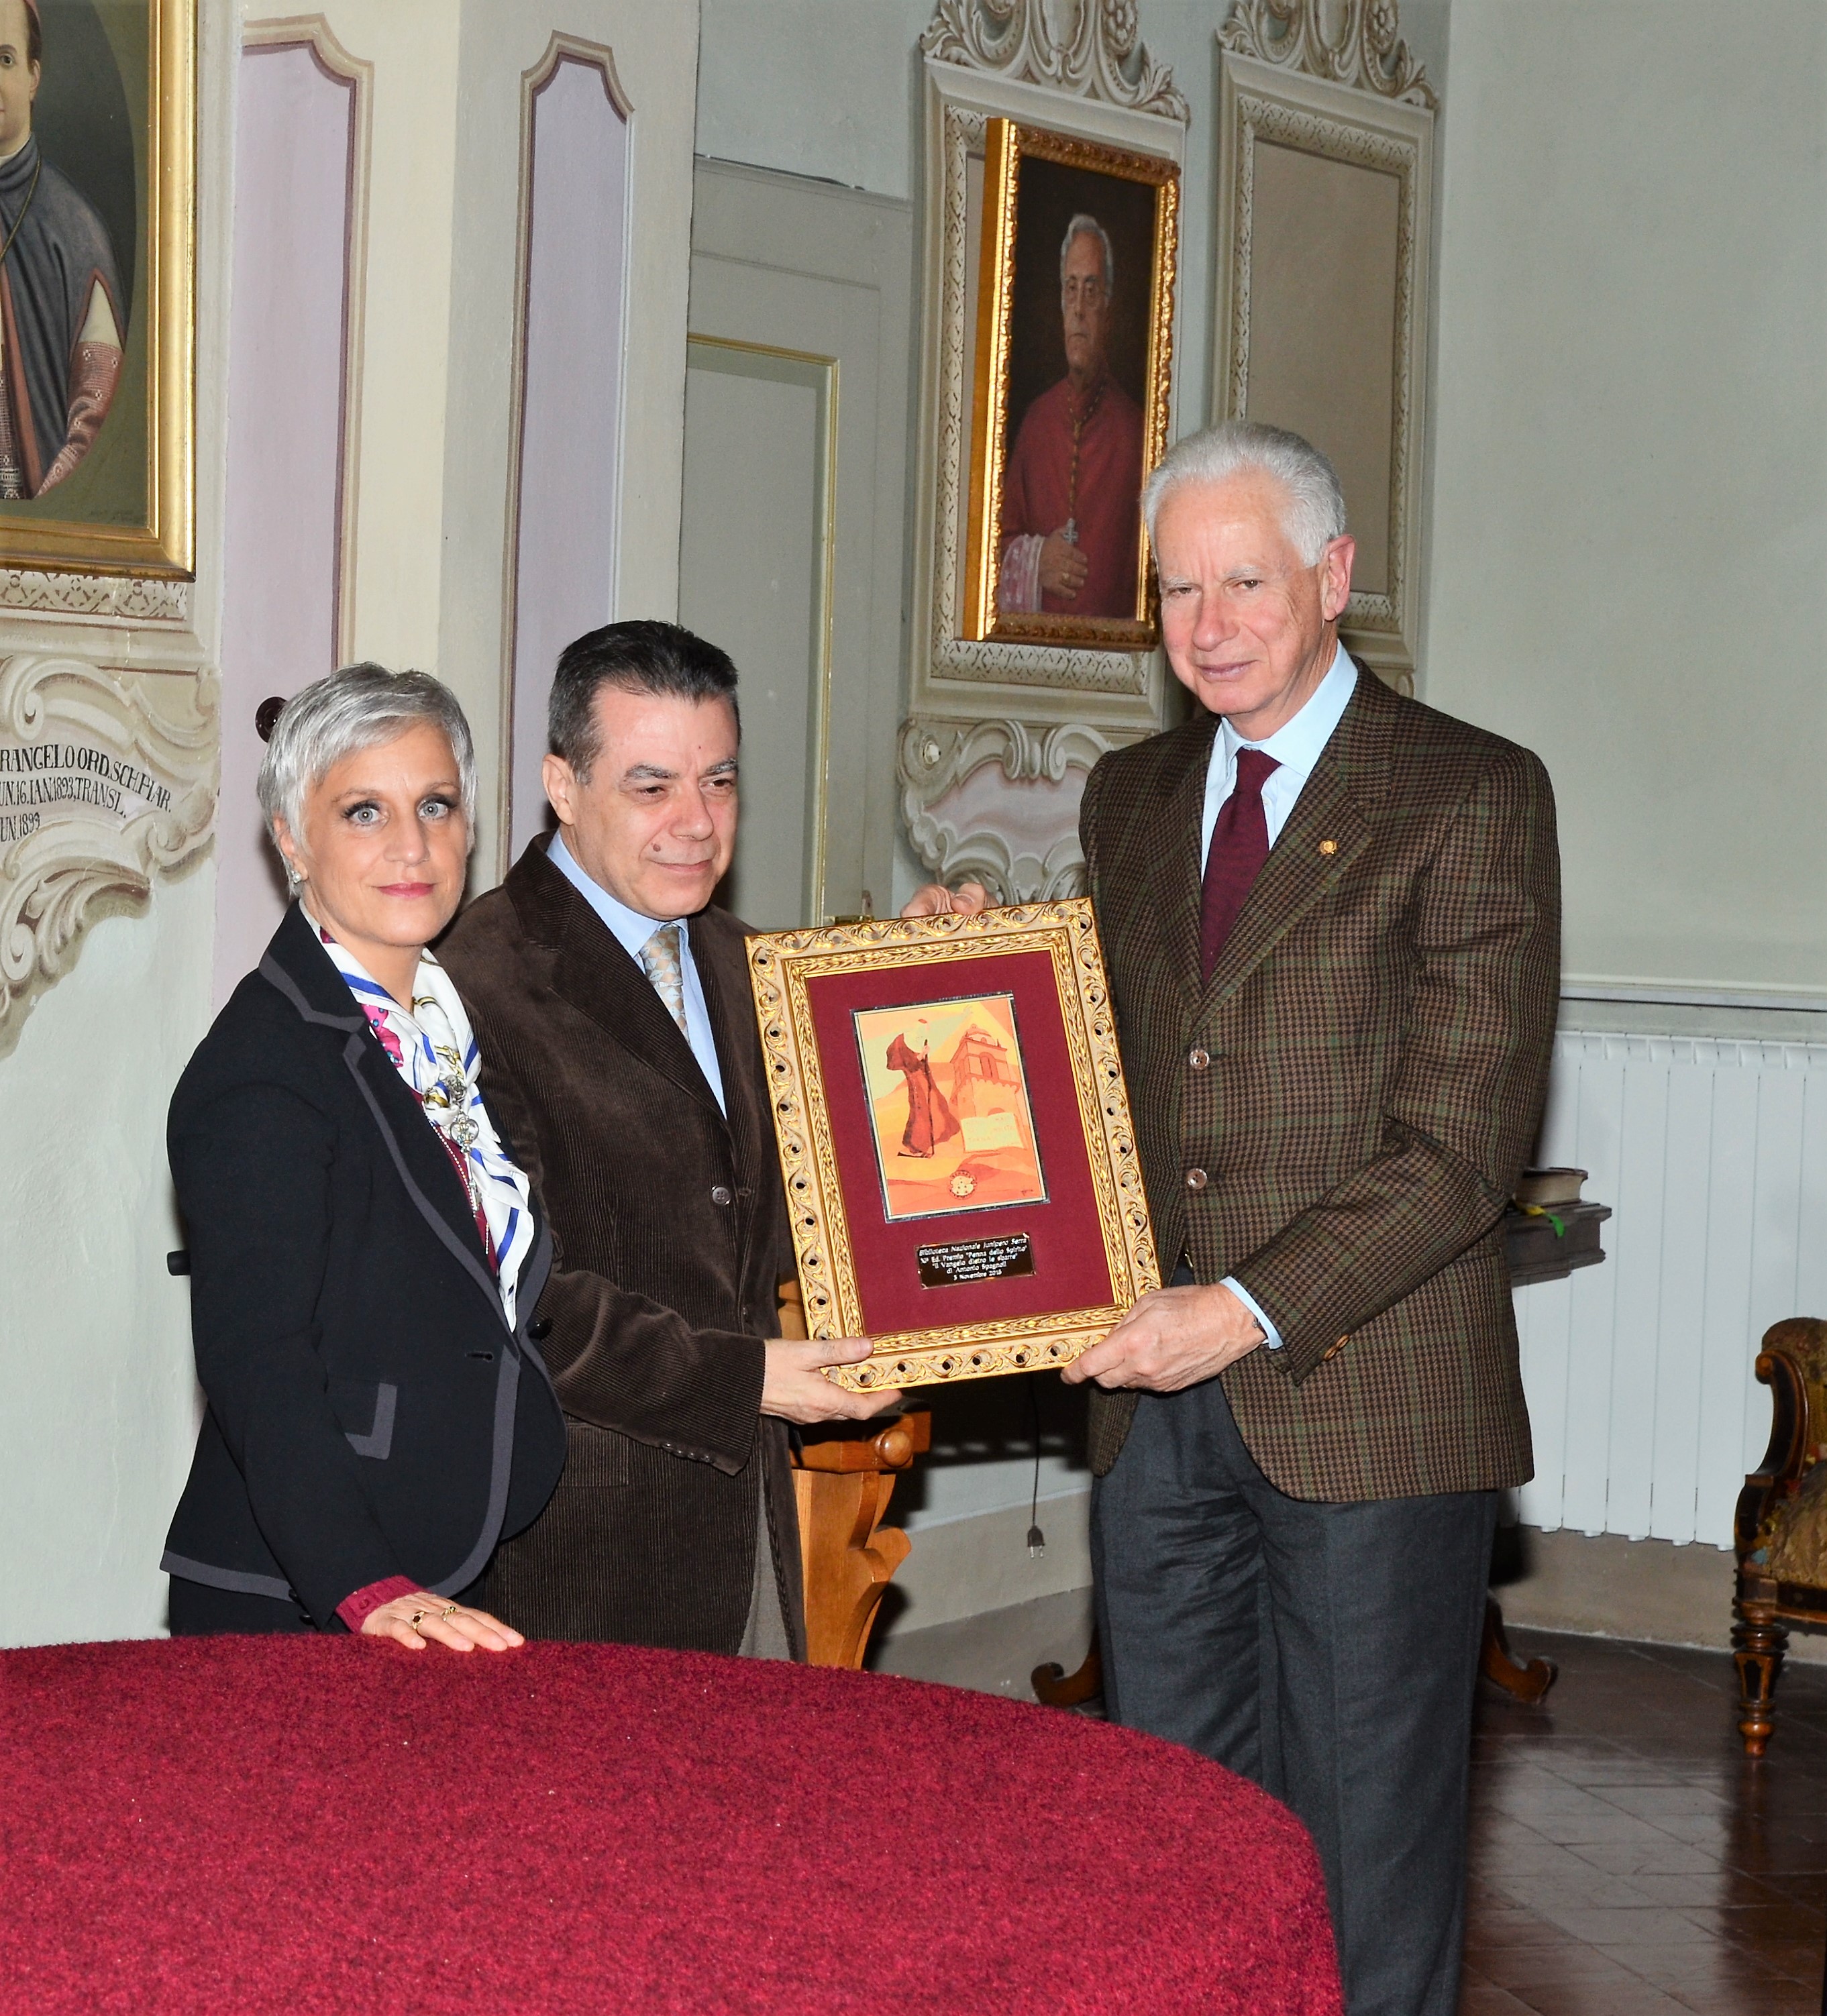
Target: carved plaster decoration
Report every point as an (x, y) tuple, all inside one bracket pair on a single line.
[(1101, 56), (1354, 42), (997, 802), (108, 780), (118, 598)]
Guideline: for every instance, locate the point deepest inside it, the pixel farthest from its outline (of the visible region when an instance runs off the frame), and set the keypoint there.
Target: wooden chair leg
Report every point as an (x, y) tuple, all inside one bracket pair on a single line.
[(849, 1556), (1057, 1688), (1758, 1644), (1497, 1663)]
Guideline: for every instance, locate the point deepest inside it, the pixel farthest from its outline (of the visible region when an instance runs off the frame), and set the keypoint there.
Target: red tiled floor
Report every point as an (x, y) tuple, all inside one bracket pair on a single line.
[(1627, 1858)]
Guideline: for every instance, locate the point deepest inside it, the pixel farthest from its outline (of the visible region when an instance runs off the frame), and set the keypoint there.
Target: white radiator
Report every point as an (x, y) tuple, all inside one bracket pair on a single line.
[(1712, 1155)]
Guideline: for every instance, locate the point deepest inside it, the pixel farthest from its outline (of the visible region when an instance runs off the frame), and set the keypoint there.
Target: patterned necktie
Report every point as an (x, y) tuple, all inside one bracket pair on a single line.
[(660, 960), (1240, 845)]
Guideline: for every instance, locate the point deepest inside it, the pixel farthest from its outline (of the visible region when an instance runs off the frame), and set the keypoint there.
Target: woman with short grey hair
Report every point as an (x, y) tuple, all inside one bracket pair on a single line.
[(366, 1257)]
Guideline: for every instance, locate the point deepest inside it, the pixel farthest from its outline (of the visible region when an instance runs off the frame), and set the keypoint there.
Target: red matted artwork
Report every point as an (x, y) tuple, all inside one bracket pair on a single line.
[(955, 1137)]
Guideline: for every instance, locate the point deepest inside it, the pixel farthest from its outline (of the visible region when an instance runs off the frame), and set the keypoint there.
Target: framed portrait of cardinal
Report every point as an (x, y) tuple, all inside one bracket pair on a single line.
[(954, 1135), (1075, 305)]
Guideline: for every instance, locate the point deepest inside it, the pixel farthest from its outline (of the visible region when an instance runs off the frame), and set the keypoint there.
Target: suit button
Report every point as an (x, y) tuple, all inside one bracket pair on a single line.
[(540, 1328), (1199, 1058), (720, 1192), (1333, 1350), (1196, 1179)]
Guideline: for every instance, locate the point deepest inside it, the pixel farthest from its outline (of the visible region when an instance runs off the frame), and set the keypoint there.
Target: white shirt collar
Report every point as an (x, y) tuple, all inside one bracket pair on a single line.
[(1296, 744), (630, 928)]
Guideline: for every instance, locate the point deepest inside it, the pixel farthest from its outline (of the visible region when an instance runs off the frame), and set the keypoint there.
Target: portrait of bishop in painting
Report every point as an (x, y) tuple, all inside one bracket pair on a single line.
[(1069, 518), (62, 318)]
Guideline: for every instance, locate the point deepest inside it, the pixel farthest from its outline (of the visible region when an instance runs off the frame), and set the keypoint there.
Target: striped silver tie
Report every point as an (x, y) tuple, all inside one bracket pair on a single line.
[(659, 957)]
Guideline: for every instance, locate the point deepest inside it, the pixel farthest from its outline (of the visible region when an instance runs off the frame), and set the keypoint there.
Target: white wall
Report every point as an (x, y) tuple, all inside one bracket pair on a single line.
[(95, 1334), (1630, 519), (95, 1438)]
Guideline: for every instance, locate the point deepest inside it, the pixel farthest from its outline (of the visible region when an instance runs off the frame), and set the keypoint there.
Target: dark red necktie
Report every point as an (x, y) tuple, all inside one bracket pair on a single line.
[(1240, 845)]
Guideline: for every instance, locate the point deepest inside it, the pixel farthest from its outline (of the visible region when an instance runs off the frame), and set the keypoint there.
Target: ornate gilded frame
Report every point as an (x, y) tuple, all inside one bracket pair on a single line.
[(164, 544), (1006, 145), (1356, 99), (781, 966), (985, 61)]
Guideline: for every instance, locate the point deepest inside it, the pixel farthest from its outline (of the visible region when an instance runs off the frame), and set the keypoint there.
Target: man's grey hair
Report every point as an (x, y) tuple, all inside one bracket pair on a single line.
[(362, 707), (1084, 226), (1315, 512)]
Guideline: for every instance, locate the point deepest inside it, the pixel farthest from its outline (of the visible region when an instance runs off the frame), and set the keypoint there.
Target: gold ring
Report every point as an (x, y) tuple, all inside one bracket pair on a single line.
[(413, 1620), (449, 1610)]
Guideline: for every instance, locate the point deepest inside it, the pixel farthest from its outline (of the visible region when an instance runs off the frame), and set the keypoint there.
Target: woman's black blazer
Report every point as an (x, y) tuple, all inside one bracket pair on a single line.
[(371, 1413)]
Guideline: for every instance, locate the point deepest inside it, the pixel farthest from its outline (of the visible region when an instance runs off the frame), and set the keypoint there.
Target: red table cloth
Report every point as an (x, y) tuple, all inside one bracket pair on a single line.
[(331, 1824)]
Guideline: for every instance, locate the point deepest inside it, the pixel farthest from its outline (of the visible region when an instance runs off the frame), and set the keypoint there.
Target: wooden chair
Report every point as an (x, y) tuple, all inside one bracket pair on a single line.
[(843, 1481), (1780, 1532)]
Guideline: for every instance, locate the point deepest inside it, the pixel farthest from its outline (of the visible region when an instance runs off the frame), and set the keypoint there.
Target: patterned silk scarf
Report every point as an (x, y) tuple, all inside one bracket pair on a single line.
[(433, 1050)]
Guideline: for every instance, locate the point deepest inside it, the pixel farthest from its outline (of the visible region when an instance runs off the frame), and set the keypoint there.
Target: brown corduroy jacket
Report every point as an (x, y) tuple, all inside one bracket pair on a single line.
[(669, 1237), (1360, 1082)]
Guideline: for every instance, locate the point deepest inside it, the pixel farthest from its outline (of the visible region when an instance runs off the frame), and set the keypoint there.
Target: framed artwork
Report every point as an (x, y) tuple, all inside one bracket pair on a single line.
[(954, 1134), (1319, 314), (97, 201), (1075, 304)]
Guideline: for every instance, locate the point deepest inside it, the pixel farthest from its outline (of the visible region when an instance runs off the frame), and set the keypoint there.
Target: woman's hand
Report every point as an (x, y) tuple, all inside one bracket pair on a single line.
[(422, 1619)]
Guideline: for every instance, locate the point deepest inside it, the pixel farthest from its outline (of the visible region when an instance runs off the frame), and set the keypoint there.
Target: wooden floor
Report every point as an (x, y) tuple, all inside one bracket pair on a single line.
[(1627, 1857)]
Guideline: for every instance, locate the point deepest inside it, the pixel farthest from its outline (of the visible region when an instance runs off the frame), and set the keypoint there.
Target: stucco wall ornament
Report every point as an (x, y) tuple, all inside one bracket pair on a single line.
[(1100, 55), (982, 801), (108, 780), (1354, 42), (116, 597)]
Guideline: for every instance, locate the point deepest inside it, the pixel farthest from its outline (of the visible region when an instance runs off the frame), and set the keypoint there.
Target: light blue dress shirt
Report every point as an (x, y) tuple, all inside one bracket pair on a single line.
[(631, 931), (1296, 746)]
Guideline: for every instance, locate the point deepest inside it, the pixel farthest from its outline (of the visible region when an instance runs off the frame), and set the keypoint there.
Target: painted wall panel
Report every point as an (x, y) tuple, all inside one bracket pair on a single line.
[(287, 381), (569, 477)]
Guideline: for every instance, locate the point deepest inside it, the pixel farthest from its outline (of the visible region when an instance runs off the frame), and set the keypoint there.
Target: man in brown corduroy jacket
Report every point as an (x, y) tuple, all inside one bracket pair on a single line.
[(619, 1060), (1331, 917)]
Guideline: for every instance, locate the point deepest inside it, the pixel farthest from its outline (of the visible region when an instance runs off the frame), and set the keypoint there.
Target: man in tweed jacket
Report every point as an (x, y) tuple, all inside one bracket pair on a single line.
[(1331, 917)]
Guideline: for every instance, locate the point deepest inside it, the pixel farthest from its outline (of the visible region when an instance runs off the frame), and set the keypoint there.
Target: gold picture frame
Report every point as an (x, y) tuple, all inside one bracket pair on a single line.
[(1032, 179), (127, 506), (1019, 1232)]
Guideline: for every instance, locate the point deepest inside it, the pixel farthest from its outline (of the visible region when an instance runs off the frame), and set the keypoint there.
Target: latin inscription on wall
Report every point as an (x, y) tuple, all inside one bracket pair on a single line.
[(107, 780)]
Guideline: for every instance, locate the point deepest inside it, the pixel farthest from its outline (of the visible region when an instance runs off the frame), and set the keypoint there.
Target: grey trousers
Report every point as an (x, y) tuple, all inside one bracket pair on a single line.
[(1327, 1652)]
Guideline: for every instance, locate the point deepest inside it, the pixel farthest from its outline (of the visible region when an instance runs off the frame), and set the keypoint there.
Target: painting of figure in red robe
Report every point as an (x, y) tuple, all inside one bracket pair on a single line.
[(1077, 246), (1070, 524), (948, 1096)]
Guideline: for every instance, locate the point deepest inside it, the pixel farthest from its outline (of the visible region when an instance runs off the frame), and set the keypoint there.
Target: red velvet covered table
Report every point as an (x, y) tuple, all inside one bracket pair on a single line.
[(308, 1825)]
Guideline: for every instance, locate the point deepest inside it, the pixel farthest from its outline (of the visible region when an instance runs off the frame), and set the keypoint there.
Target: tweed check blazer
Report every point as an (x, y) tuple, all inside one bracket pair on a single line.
[(1360, 1082)]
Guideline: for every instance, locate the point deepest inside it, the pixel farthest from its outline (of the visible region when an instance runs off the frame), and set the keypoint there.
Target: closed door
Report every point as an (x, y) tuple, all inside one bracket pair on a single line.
[(755, 567), (790, 550)]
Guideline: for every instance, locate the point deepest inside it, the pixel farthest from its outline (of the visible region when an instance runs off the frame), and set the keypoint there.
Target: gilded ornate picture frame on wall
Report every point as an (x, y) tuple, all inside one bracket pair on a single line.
[(954, 1134), (97, 211), (1074, 357)]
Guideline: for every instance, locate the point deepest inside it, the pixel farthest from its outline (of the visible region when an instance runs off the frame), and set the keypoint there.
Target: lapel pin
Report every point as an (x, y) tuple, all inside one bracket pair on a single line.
[(1328, 847)]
